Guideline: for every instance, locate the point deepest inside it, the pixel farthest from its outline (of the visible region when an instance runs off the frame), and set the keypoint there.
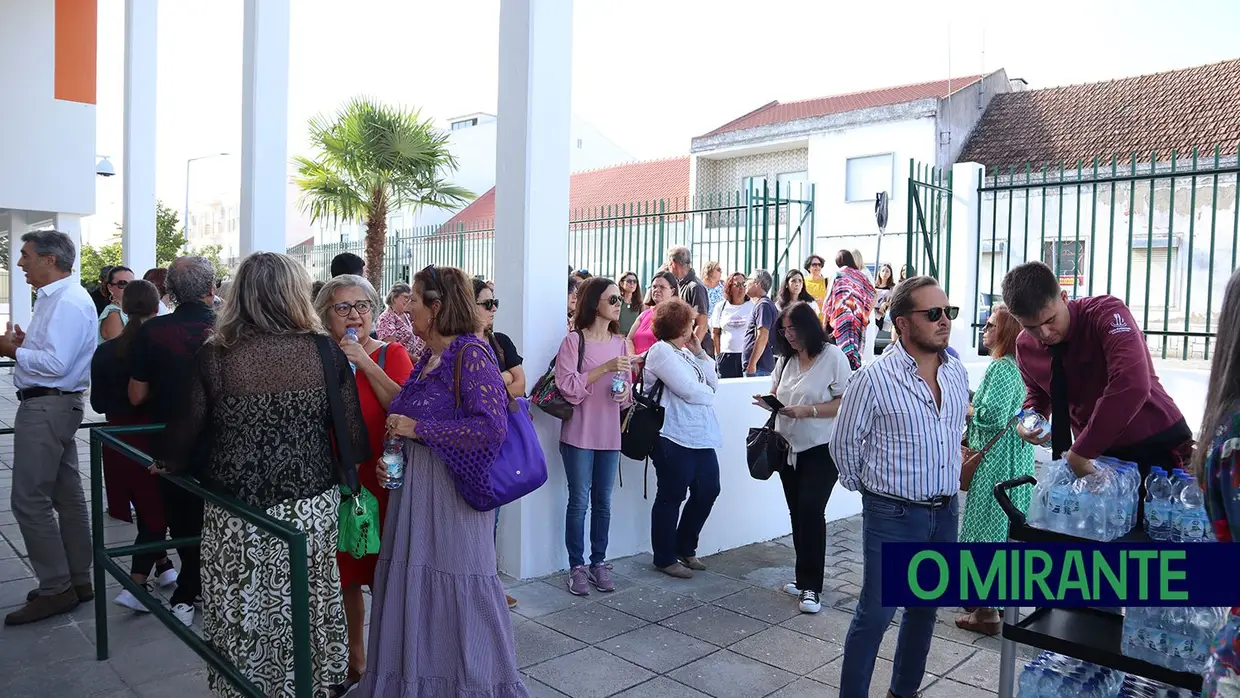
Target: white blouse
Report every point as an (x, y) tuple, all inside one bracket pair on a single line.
[(688, 401), (731, 321), (823, 381)]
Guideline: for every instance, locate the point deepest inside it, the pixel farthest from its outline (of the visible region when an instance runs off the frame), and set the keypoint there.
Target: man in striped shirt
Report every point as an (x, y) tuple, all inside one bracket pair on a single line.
[(897, 441)]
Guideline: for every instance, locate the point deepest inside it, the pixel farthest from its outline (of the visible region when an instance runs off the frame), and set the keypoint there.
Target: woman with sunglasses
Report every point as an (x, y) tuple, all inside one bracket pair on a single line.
[(348, 302), (631, 309), (727, 326), (1000, 396), (663, 287), (816, 283), (590, 439), (505, 351), (112, 320)]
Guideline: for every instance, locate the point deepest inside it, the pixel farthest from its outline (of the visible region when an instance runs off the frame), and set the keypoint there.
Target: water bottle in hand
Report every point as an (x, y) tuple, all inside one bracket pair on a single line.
[(617, 384), (351, 336), (393, 462)]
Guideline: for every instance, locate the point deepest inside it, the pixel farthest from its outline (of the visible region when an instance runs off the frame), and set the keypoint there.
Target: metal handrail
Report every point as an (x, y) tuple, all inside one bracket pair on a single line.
[(104, 562)]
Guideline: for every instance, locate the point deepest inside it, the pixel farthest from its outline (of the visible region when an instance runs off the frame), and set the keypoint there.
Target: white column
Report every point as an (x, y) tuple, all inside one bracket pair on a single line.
[(964, 254), (531, 236), (71, 224), (138, 163), (19, 291), (264, 126)]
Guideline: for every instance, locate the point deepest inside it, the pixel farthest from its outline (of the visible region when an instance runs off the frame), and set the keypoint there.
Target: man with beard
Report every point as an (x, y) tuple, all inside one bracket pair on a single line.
[(897, 441)]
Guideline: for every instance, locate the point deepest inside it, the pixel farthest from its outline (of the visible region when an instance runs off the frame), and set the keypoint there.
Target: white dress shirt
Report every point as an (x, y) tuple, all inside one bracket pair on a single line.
[(822, 382), (60, 341), (892, 438), (688, 401)]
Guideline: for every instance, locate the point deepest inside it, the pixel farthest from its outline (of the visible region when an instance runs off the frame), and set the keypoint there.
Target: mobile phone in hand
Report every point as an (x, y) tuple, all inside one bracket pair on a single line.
[(772, 402)]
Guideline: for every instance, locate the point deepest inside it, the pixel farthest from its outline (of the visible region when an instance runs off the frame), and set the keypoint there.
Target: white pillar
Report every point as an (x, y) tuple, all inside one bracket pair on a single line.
[(963, 255), (531, 235), (264, 126), (19, 291), (138, 168)]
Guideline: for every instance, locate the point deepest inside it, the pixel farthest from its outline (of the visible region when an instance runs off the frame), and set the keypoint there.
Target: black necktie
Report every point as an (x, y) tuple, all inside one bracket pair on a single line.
[(1061, 415)]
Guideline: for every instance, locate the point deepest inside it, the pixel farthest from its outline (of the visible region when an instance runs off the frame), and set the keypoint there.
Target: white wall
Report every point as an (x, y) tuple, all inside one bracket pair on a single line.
[(47, 146), (747, 510)]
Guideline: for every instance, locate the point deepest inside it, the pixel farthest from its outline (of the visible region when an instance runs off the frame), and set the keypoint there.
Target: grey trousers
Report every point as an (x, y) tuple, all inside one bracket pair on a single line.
[(46, 480)]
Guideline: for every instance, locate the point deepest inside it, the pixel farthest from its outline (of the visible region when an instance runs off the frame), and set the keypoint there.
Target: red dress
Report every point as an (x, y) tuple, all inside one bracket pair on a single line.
[(398, 366)]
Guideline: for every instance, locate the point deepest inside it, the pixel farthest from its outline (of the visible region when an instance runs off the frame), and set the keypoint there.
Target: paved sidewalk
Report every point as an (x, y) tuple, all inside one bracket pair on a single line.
[(727, 632)]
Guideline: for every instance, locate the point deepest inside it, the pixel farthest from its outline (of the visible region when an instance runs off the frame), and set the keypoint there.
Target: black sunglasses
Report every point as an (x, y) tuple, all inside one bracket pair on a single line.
[(628, 280), (343, 309), (490, 304), (616, 299), (935, 314), (120, 284)]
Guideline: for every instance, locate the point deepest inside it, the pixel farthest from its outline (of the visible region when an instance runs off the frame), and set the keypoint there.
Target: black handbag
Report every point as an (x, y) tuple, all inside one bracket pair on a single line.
[(765, 450), (546, 395), (641, 422)]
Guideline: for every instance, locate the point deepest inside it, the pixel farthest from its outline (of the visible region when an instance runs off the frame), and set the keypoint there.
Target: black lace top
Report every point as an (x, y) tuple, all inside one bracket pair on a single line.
[(260, 410)]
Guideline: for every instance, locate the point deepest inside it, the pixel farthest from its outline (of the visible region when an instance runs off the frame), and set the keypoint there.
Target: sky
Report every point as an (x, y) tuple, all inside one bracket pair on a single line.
[(649, 74)]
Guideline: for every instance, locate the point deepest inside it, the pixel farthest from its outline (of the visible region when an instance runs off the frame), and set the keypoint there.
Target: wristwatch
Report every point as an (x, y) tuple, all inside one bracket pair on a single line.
[(815, 411)]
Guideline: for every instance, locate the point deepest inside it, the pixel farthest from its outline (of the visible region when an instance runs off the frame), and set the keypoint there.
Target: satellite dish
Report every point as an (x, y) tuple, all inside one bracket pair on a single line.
[(880, 210)]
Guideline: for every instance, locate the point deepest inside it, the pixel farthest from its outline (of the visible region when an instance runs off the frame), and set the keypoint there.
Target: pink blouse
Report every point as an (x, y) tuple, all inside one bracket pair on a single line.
[(644, 338), (595, 423)]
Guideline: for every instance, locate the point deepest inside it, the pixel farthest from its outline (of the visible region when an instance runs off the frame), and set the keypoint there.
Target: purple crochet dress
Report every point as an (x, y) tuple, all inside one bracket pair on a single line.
[(439, 622)]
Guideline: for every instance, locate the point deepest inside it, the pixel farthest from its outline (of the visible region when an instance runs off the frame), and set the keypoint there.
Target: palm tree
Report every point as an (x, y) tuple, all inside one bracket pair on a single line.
[(370, 159)]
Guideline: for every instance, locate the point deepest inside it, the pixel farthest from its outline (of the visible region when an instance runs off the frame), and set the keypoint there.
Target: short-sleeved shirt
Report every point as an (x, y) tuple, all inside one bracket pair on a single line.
[(764, 314), (511, 358), (162, 356), (694, 292)]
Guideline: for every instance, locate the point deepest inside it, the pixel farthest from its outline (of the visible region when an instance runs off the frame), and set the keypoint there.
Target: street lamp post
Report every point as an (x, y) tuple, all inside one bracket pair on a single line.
[(185, 220)]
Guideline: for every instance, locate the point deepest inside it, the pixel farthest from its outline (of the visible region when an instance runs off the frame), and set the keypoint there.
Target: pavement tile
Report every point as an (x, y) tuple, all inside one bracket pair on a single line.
[(705, 586), (542, 598), (141, 663), (67, 678), (14, 568), (880, 680), (589, 673), (42, 643), (189, 685), (764, 604), (661, 687), (538, 689), (946, 688), (828, 624), (537, 644), (657, 648), (804, 688), (591, 623), (788, 650), (982, 669), (715, 625), (726, 674), (650, 603)]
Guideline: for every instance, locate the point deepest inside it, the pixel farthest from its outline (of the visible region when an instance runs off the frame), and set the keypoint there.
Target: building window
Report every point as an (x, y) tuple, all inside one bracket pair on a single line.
[(463, 123), (866, 176)]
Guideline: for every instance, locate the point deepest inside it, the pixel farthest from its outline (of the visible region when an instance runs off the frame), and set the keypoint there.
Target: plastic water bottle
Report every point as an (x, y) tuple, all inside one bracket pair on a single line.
[(1193, 520), (1178, 484), (1158, 506), (617, 384), (394, 462), (1034, 422), (351, 335)]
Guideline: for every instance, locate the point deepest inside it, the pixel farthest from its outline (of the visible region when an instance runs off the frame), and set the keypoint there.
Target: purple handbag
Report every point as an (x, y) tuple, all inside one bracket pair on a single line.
[(520, 466)]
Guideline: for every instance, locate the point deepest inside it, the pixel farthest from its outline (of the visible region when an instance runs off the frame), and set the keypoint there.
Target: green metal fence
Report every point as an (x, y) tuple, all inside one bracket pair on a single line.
[(105, 562), (929, 222), (743, 230), (1159, 231)]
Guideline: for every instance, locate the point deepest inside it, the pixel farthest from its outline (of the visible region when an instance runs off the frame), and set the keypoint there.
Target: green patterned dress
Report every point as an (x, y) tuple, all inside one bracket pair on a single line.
[(998, 399)]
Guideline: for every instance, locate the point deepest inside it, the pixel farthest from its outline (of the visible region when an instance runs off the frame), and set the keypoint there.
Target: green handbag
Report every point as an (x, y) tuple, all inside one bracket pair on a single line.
[(359, 523)]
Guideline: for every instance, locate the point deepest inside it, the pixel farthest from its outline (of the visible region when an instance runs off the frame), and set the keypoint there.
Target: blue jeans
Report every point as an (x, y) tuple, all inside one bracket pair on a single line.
[(884, 520), (680, 471), (591, 476)]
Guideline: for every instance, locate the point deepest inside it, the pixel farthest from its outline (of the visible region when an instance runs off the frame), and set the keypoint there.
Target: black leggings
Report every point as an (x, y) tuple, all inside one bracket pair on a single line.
[(807, 489)]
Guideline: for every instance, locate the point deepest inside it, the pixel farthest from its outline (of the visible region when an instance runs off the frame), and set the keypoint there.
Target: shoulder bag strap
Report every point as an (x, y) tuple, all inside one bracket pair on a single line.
[(345, 464), (383, 357), (581, 350), (456, 377)]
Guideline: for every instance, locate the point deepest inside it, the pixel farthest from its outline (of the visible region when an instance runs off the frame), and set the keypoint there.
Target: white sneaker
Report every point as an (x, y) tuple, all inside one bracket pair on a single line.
[(184, 613), (792, 590), (810, 602), (167, 578), (128, 600)]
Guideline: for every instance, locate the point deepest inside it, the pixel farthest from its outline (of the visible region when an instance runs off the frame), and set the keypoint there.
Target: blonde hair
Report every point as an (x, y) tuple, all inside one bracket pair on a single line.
[(323, 301), (270, 296)]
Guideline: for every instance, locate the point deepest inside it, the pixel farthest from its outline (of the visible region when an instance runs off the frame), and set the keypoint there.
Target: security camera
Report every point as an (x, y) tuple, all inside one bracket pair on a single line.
[(105, 168)]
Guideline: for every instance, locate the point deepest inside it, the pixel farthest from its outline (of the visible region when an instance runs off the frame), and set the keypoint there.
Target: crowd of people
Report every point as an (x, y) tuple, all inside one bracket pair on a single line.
[(277, 390)]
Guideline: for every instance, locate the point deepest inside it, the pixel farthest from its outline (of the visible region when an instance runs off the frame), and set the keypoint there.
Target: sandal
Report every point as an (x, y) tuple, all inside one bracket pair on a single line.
[(982, 627)]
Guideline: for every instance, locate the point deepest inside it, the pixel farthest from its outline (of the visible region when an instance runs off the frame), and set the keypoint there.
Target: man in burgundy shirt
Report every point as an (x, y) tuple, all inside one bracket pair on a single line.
[(1086, 364)]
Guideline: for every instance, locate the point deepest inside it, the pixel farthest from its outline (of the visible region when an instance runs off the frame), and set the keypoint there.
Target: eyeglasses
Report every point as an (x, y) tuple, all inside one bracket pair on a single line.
[(629, 281), (614, 300), (989, 326), (787, 330), (490, 304), (120, 284), (935, 314), (362, 308), (739, 283), (815, 265)]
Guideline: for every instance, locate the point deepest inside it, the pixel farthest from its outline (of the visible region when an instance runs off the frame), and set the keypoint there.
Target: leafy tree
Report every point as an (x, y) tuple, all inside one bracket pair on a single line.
[(96, 258), (212, 253), (169, 240), (370, 159), (4, 251)]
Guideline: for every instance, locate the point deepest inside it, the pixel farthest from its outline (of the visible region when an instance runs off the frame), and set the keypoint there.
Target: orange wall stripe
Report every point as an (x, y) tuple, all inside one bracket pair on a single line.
[(76, 50)]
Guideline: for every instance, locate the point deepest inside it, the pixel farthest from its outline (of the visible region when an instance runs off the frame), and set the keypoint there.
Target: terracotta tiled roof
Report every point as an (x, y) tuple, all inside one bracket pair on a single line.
[(629, 183), (782, 112), (1179, 109)]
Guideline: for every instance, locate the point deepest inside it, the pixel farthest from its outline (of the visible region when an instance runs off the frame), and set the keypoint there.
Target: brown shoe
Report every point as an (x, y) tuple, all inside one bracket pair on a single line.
[(43, 607), (85, 592), (677, 570), (693, 563), (512, 603)]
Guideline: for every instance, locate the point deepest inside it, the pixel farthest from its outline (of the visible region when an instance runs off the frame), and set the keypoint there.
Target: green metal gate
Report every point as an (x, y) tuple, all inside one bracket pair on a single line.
[(929, 222)]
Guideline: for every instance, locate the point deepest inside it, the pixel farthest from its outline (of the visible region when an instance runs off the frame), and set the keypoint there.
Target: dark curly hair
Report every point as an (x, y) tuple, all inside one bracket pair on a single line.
[(671, 318)]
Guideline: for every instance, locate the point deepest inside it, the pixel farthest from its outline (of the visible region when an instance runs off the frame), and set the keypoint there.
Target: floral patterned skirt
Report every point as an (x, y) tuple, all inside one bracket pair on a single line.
[(246, 592), (1222, 675)]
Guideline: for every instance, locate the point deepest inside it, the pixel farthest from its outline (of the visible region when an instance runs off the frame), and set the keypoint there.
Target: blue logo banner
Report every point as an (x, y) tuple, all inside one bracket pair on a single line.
[(1061, 574)]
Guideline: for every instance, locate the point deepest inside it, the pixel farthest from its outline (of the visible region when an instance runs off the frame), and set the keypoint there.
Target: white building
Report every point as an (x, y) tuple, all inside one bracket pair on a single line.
[(849, 146)]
